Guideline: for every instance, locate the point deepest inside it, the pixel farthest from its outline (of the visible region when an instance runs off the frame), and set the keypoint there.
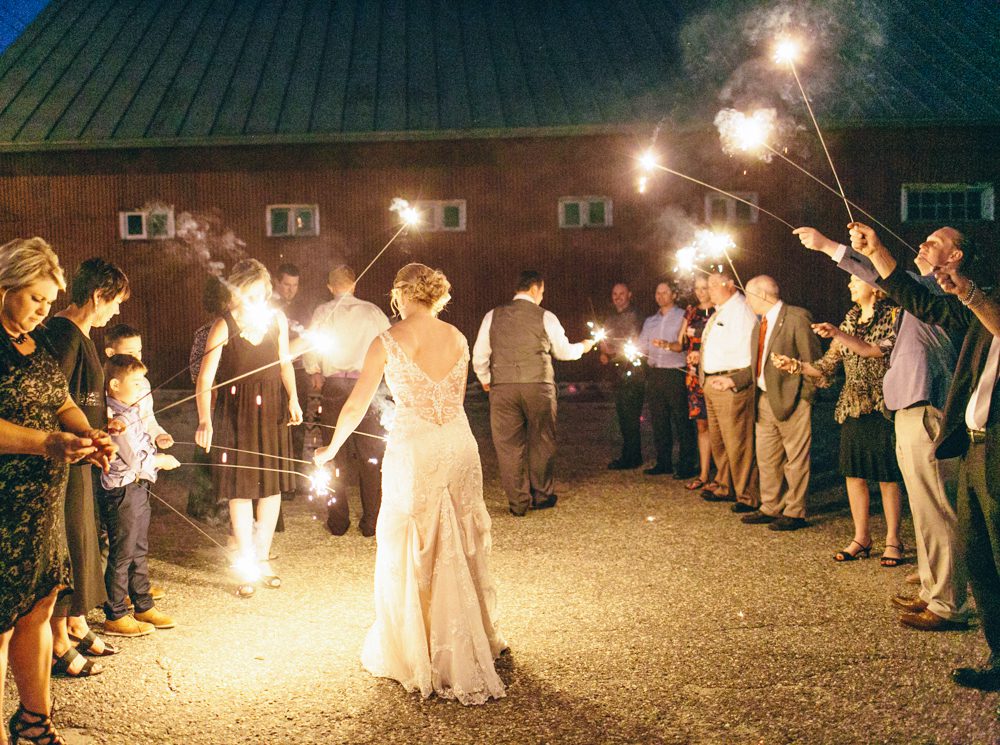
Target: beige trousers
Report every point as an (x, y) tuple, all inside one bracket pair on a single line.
[(730, 429), (943, 577), (783, 458)]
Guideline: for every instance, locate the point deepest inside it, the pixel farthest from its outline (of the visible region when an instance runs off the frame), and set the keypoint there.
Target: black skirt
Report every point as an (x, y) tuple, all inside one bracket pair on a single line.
[(867, 449)]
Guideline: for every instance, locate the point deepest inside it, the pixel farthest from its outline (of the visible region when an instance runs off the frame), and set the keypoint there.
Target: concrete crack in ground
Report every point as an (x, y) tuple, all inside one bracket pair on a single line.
[(165, 665)]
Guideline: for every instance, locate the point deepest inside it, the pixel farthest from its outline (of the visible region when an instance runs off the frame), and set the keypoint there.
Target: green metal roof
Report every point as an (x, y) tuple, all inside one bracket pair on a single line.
[(99, 73)]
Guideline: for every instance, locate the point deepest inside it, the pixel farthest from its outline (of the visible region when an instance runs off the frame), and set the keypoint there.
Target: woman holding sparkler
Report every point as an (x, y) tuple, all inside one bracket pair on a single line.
[(249, 347), (695, 319), (97, 290), (35, 406), (867, 453), (435, 601)]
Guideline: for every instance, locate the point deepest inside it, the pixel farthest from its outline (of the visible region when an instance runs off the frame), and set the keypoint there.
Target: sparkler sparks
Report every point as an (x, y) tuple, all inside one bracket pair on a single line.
[(747, 133), (320, 481), (714, 245), (632, 353), (648, 161), (409, 214), (687, 259), (255, 320), (597, 333), (786, 51)]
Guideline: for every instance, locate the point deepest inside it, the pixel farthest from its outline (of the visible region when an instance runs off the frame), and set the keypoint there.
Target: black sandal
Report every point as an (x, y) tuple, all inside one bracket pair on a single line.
[(893, 561), (85, 645), (20, 725), (60, 666), (846, 555)]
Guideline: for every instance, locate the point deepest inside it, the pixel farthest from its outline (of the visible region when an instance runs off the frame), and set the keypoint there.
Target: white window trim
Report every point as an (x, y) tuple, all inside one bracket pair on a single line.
[(988, 198), (124, 215), (584, 203), (731, 205), (291, 220), (432, 214)]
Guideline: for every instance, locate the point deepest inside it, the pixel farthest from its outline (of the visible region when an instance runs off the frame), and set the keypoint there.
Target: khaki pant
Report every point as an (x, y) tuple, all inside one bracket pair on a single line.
[(928, 480), (783, 458), (730, 429), (523, 423)]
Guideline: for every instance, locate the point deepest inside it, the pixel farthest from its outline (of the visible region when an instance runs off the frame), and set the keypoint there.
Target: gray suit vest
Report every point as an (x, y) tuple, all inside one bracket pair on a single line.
[(520, 348)]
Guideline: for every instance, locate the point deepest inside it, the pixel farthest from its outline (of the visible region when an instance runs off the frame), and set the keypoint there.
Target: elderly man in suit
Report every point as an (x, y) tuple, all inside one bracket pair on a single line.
[(783, 427), (970, 425)]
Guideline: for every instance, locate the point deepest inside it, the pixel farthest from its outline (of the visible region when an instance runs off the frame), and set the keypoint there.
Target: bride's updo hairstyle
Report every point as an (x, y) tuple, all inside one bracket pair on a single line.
[(418, 283)]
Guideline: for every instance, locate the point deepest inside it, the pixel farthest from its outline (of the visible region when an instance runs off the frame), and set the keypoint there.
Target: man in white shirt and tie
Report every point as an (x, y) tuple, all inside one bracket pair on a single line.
[(725, 353), (352, 324), (512, 358)]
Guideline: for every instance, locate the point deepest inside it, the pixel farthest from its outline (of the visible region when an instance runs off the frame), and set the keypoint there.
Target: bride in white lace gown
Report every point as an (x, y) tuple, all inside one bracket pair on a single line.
[(435, 625)]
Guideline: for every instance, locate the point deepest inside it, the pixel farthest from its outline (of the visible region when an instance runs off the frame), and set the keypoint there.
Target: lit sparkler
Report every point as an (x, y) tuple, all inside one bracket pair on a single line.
[(785, 53), (687, 260), (649, 161), (632, 353), (597, 333), (255, 320), (319, 482), (410, 217)]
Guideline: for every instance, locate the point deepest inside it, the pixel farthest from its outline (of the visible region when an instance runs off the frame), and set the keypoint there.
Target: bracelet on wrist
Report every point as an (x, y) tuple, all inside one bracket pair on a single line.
[(970, 295)]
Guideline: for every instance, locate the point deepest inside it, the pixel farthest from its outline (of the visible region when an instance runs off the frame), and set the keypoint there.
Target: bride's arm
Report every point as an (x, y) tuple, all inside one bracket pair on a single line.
[(357, 403)]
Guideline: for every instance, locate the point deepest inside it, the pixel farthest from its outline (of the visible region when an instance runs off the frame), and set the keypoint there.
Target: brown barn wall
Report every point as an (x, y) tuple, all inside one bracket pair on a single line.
[(511, 188)]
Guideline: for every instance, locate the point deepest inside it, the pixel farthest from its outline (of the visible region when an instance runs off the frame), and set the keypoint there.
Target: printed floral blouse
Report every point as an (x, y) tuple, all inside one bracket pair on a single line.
[(862, 391)]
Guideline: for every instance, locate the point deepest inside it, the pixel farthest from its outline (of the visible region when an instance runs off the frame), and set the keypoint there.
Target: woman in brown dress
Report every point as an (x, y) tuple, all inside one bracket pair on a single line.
[(34, 409), (96, 291)]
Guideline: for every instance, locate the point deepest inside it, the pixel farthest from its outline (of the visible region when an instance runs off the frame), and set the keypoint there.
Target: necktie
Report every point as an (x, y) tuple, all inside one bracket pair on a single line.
[(760, 345)]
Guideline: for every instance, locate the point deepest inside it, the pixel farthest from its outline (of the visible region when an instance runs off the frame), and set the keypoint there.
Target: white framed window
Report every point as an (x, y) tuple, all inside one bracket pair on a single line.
[(947, 202), (154, 224), (446, 215), (585, 212), (720, 208), (292, 220)]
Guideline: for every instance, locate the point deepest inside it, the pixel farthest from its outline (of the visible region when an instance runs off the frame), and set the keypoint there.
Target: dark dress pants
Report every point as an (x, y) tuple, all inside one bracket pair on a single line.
[(523, 424), (666, 396), (979, 526), (629, 396), (126, 513), (360, 454)]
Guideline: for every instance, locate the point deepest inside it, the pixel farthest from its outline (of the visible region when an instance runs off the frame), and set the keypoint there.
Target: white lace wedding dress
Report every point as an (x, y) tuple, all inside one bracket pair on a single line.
[(435, 602)]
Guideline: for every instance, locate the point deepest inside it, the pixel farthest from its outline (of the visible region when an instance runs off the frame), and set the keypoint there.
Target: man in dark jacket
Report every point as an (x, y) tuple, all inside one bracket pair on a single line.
[(971, 423)]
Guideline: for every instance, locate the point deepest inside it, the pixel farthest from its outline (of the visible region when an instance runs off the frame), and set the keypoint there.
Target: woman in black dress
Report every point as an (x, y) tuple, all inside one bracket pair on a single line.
[(96, 291), (34, 407), (862, 344), (251, 414)]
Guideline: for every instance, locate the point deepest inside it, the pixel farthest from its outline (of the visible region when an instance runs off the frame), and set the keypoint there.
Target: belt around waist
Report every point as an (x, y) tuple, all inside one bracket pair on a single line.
[(723, 372), (977, 436), (348, 374)]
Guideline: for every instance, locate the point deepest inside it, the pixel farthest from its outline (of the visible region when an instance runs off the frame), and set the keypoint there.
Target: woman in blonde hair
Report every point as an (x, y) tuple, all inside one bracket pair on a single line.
[(251, 415), (862, 344), (435, 601), (35, 408)]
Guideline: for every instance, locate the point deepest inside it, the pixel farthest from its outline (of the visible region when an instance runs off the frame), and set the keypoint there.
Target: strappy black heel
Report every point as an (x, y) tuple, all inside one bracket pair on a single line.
[(44, 733), (846, 555), (893, 561)]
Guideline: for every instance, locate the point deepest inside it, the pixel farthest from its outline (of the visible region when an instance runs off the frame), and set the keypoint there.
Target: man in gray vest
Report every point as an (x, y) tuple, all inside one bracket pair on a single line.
[(512, 358)]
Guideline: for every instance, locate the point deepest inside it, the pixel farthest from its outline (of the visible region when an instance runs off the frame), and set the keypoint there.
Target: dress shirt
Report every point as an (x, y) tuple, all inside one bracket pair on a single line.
[(352, 325), (561, 347), (726, 342), (772, 320), (146, 411), (978, 411), (667, 326), (923, 359), (136, 450)]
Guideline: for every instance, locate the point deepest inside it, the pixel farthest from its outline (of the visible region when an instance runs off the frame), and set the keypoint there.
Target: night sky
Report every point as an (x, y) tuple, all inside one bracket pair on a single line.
[(14, 16)]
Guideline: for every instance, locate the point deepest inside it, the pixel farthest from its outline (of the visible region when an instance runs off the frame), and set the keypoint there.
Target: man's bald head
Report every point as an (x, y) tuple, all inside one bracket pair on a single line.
[(762, 293)]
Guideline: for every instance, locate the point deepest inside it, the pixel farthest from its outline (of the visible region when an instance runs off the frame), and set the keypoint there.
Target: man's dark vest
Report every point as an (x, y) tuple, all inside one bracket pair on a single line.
[(521, 350)]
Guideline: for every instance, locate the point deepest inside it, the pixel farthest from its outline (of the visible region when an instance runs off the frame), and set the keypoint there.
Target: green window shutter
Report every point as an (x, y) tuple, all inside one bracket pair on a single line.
[(156, 225), (595, 213), (133, 225), (571, 213), (451, 216), (744, 212), (279, 222)]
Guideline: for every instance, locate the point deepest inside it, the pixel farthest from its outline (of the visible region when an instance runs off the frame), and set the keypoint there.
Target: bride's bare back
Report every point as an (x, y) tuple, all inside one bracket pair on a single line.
[(432, 345)]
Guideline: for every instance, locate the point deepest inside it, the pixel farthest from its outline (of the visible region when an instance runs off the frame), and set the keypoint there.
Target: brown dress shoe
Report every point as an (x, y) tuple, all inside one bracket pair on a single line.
[(156, 617), (910, 605), (128, 626), (926, 620)]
